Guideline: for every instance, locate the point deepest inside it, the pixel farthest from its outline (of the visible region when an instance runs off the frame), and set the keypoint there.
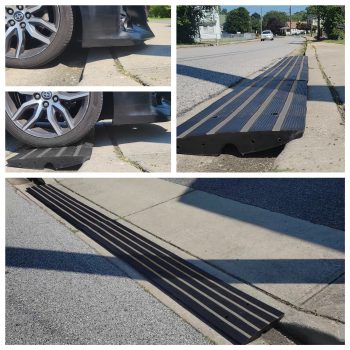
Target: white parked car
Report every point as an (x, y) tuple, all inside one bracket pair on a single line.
[(266, 35)]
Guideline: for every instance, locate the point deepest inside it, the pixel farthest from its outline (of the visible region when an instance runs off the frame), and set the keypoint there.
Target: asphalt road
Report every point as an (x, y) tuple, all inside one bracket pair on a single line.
[(203, 72), (320, 201), (60, 291)]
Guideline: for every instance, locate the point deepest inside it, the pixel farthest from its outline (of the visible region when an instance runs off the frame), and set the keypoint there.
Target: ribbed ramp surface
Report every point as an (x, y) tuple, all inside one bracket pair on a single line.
[(259, 114), (56, 158), (237, 316)]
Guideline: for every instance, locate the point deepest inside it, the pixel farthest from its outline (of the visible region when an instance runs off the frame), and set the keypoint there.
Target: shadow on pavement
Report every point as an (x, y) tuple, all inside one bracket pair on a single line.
[(337, 242), (315, 92), (143, 49), (124, 134), (272, 153), (320, 201), (307, 335), (255, 271)]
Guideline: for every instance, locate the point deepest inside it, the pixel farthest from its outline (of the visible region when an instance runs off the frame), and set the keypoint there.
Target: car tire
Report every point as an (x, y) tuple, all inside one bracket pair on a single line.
[(56, 31), (40, 133)]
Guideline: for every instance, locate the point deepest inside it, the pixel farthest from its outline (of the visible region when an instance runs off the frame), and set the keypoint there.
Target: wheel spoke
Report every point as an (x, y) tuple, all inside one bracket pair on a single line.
[(45, 24), (20, 42), (34, 118), (10, 32), (23, 108), (65, 114), (51, 117), (13, 7), (27, 93), (71, 96), (32, 9), (35, 34)]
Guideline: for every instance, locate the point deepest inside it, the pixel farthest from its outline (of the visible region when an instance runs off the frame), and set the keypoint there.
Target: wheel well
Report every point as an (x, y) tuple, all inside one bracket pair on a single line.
[(78, 25), (107, 106)]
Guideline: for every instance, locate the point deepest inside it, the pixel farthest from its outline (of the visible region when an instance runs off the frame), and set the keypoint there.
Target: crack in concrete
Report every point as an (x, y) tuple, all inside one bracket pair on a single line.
[(123, 71)]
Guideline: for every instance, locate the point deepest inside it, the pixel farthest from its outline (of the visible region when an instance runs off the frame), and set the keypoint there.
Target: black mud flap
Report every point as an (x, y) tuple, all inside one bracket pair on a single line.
[(236, 315), (53, 158), (257, 115)]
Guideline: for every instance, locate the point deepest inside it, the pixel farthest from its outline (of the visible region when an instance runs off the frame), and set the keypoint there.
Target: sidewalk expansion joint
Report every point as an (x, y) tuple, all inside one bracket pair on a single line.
[(121, 155), (323, 288), (155, 205), (124, 72)]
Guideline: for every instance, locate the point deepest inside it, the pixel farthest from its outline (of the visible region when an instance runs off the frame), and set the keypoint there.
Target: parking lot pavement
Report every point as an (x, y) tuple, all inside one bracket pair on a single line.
[(292, 264), (59, 290), (294, 197), (147, 64), (127, 148)]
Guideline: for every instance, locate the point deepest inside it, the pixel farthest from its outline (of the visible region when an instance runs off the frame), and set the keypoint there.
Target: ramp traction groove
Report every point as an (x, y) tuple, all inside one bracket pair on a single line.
[(57, 158), (265, 112), (236, 315)]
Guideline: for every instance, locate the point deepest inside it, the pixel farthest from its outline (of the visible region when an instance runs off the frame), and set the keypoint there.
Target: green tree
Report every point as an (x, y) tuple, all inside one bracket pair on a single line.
[(238, 20), (300, 16), (275, 20), (317, 12), (255, 22), (187, 22), (333, 20), (160, 11)]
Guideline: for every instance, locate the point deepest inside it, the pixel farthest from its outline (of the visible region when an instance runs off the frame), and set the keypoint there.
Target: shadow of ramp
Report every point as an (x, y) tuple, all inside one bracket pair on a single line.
[(307, 335), (143, 50), (209, 75)]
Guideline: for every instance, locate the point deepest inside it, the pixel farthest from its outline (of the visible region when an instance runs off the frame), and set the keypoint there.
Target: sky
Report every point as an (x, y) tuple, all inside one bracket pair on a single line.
[(265, 9)]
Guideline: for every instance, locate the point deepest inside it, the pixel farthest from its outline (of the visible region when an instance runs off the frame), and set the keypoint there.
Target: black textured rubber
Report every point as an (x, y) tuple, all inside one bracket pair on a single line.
[(259, 114), (236, 315), (55, 158)]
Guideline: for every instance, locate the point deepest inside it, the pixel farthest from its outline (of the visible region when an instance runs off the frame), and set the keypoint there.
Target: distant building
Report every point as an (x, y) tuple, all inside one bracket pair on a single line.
[(294, 28), (209, 27)]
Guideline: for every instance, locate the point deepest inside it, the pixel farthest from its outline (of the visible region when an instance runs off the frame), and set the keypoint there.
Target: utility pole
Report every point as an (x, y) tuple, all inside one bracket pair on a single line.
[(260, 21), (290, 20)]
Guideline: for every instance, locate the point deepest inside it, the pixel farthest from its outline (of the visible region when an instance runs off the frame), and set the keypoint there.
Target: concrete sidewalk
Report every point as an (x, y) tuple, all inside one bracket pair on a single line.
[(322, 147), (332, 59), (293, 264), (148, 64)]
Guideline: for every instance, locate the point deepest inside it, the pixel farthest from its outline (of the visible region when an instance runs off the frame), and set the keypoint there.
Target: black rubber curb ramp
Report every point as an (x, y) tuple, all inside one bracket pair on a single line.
[(259, 114), (53, 158), (237, 316)]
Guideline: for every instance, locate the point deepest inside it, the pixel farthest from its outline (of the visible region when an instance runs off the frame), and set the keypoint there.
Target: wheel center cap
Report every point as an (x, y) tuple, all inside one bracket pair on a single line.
[(46, 95), (18, 16)]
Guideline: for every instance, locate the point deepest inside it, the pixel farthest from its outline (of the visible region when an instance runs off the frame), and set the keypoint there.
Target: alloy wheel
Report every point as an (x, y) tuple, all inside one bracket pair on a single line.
[(29, 30), (47, 114)]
